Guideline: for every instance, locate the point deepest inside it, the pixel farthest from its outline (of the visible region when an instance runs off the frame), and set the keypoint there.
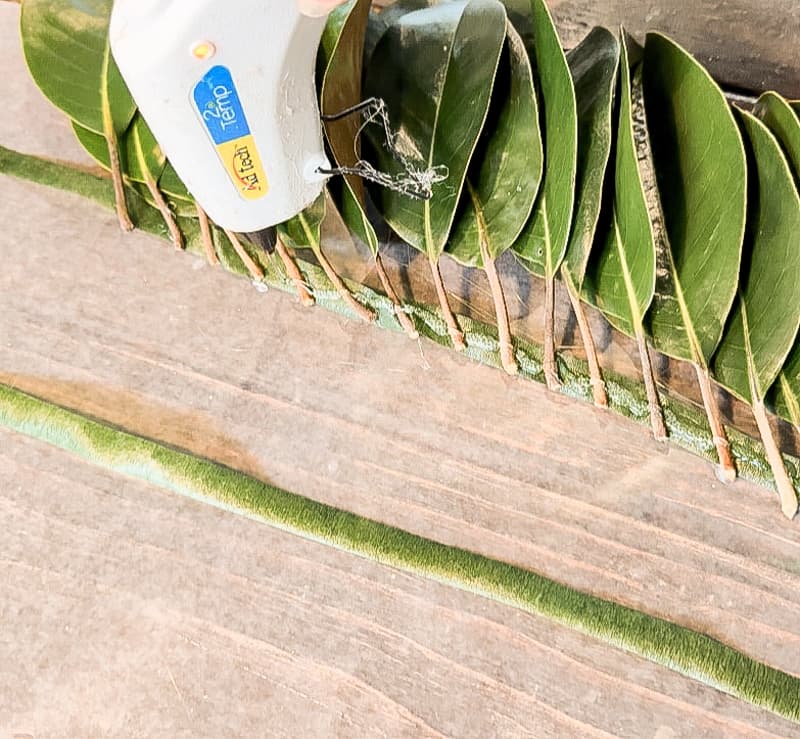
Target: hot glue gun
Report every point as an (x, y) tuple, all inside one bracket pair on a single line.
[(228, 91)]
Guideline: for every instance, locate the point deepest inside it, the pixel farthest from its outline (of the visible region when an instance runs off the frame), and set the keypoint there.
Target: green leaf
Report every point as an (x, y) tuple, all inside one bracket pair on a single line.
[(435, 69), (172, 185), (594, 66), (543, 242), (66, 48), (778, 116), (304, 231), (702, 180), (782, 120), (621, 275), (140, 156), (379, 23), (506, 169), (765, 320), (342, 51)]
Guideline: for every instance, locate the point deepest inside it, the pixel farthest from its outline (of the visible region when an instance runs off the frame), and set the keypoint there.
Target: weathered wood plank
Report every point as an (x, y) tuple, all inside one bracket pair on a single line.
[(129, 611)]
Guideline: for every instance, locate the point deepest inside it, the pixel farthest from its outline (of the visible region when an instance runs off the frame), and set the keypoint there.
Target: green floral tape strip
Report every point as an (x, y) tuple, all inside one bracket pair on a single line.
[(686, 424), (681, 649)]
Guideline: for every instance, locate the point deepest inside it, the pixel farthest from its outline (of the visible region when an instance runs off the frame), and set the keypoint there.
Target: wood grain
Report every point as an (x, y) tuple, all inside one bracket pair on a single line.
[(127, 611)]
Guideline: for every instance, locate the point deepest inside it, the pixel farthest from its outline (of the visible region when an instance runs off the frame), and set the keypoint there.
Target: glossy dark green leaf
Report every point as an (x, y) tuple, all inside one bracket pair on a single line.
[(379, 22), (766, 315), (506, 169), (594, 66), (621, 275), (781, 118), (342, 53), (778, 116), (66, 48), (702, 181), (543, 242), (435, 69)]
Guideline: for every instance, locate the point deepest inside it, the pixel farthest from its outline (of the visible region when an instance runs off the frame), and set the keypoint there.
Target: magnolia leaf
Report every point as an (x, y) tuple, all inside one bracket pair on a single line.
[(621, 275), (380, 22), (506, 169), (171, 184), (304, 231), (701, 173), (435, 69), (594, 65), (143, 163), (766, 317), (66, 47), (778, 115), (781, 119), (140, 155), (342, 53), (543, 242)]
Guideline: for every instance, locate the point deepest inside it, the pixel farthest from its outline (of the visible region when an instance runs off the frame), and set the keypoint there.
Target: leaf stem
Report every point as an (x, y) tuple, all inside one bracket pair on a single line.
[(595, 374), (726, 472), (205, 235), (402, 317), (783, 482), (653, 401), (507, 358), (306, 298), (123, 216), (175, 235), (360, 310), (549, 363), (254, 269), (456, 336)]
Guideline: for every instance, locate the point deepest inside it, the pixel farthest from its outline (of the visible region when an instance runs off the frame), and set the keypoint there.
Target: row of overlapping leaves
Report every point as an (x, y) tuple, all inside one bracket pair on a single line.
[(621, 170)]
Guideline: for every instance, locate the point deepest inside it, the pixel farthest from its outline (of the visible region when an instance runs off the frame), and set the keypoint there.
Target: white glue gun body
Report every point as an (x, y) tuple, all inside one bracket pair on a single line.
[(228, 91)]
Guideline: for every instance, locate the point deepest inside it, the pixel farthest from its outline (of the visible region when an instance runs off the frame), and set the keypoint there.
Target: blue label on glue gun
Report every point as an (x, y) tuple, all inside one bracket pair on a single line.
[(221, 111)]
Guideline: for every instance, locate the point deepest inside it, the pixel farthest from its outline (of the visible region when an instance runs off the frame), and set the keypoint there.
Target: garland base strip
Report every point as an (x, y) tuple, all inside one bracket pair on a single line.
[(677, 647)]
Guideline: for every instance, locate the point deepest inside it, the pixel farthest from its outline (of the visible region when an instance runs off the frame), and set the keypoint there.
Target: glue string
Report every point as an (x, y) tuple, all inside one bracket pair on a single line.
[(413, 181)]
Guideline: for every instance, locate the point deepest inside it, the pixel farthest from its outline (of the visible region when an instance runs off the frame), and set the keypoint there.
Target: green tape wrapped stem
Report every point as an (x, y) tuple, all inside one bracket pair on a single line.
[(679, 648)]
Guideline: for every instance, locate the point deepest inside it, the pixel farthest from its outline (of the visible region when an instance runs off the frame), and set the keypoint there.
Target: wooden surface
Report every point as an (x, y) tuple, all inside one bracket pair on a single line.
[(127, 611)]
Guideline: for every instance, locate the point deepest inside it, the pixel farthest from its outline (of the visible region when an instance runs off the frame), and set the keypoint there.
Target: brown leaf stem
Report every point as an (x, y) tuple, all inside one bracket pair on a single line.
[(456, 336), (507, 358), (726, 472), (403, 318), (595, 374), (123, 216), (653, 402), (254, 269), (205, 235), (296, 276), (175, 235), (783, 482), (361, 310), (549, 362)]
